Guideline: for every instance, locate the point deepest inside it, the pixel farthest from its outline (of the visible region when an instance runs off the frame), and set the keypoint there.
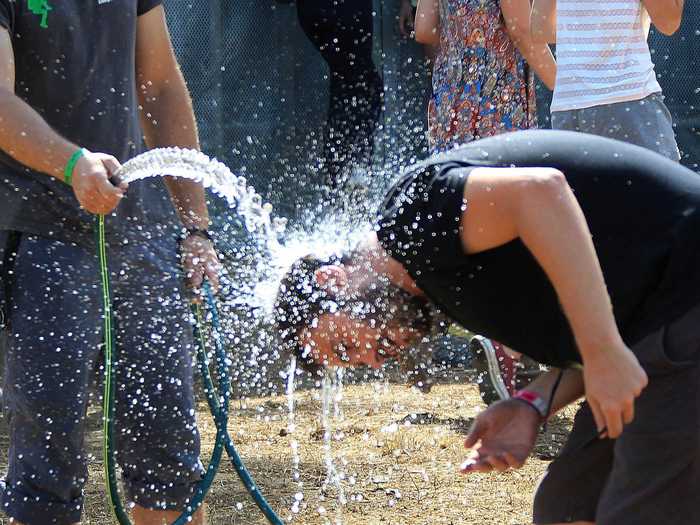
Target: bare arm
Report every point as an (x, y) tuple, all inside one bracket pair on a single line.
[(516, 14), (570, 388), (168, 119), (666, 15), (24, 134), (537, 206), (503, 435), (543, 21), (427, 24), (26, 137)]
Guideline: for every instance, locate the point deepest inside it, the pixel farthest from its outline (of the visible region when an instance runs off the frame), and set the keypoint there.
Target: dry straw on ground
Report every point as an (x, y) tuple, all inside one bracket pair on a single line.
[(398, 450)]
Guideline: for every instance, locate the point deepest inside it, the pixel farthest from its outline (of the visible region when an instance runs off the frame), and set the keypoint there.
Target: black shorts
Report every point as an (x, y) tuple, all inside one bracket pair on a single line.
[(651, 474)]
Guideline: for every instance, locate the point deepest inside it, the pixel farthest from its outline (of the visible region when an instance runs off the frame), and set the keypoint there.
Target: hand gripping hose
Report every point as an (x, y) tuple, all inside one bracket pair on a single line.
[(219, 409)]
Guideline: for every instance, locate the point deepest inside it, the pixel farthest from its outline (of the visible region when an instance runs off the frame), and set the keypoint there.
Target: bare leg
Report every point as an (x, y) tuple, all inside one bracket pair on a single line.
[(144, 516)]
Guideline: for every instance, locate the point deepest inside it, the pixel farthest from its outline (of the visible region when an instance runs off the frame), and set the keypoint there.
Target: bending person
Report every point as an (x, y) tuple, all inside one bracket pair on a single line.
[(580, 251)]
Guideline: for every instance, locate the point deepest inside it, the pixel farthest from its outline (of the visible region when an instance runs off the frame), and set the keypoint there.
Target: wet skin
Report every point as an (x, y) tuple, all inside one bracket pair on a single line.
[(339, 340)]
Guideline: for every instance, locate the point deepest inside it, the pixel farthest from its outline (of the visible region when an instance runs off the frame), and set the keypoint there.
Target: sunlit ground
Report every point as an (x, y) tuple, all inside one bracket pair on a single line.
[(398, 450)]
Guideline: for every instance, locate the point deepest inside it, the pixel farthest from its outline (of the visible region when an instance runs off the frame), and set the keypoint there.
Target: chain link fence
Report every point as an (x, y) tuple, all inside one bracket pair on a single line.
[(261, 89)]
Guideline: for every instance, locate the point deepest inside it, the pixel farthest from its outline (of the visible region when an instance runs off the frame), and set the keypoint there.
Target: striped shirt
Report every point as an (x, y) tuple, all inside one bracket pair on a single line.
[(602, 54)]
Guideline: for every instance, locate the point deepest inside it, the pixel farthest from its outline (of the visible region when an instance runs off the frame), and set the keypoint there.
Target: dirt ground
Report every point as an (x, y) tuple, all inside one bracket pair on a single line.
[(396, 449)]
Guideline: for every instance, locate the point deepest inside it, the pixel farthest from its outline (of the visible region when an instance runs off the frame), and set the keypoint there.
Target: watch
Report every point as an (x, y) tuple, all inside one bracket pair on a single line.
[(200, 232)]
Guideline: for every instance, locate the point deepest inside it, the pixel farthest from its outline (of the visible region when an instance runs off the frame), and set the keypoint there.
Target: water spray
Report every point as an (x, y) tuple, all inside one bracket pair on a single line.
[(189, 164)]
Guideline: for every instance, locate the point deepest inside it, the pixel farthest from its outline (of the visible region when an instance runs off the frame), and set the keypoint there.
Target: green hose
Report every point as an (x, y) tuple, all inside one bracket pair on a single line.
[(218, 409)]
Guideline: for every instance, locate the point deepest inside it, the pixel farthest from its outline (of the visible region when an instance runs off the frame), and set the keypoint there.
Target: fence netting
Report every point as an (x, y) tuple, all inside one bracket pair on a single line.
[(261, 87)]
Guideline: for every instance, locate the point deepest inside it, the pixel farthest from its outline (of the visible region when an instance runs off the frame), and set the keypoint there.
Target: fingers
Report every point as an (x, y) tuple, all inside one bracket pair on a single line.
[(91, 183), (211, 270), (491, 462), (107, 191), (112, 165), (613, 421), (612, 418), (475, 433), (628, 412), (200, 262), (597, 414)]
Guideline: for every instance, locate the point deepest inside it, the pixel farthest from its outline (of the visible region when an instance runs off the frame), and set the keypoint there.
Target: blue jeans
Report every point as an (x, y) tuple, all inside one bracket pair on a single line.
[(54, 340)]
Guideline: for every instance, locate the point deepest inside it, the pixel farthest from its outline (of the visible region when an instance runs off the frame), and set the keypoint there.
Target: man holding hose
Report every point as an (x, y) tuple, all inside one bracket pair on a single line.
[(100, 76)]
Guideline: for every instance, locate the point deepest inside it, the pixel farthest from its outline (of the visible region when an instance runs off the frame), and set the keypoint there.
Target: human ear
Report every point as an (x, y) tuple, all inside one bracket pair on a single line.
[(332, 278)]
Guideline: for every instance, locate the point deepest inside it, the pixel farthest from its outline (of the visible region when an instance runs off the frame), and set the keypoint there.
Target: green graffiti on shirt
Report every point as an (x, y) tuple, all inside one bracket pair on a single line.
[(41, 8)]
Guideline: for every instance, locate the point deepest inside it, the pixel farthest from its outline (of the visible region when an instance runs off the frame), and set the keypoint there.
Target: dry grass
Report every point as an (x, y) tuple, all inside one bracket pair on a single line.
[(404, 474)]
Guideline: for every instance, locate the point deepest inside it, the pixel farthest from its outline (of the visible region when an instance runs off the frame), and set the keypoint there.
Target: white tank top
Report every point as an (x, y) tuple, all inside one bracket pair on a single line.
[(602, 54)]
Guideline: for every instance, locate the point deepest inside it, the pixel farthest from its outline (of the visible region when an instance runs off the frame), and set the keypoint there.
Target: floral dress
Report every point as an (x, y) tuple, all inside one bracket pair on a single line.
[(482, 85)]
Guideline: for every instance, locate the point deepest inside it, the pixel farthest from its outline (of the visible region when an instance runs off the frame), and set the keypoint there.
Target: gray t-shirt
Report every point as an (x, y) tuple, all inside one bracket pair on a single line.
[(79, 74)]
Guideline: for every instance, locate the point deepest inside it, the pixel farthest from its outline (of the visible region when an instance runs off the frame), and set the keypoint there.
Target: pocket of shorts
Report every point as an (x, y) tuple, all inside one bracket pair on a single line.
[(662, 353), (658, 101)]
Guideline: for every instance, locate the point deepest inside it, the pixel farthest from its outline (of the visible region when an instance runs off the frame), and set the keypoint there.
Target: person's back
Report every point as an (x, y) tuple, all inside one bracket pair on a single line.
[(602, 54), (647, 268)]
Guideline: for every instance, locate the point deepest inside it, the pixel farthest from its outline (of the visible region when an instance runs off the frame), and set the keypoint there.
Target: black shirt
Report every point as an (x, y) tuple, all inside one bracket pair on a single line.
[(642, 209), (78, 73)]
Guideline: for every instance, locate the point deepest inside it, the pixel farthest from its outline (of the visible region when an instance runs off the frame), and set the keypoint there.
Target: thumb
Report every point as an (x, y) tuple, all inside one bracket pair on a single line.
[(475, 432), (112, 165)]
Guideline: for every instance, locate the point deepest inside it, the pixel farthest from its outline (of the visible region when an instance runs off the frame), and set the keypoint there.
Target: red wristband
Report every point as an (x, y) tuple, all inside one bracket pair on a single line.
[(534, 400)]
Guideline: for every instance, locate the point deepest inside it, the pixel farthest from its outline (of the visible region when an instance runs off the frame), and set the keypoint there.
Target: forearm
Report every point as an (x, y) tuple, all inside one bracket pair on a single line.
[(666, 15), (26, 137), (427, 23), (167, 119), (569, 389), (539, 57), (516, 15), (551, 223), (543, 21)]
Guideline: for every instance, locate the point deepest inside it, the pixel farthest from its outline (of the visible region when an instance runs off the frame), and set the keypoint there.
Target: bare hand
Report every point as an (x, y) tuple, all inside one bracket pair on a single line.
[(199, 260), (502, 437), (406, 19), (613, 378), (91, 184)]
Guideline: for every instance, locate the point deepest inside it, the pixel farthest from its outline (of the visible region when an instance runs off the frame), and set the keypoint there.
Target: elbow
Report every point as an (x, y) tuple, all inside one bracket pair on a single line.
[(668, 27), (669, 20), (538, 35), (553, 179), (427, 36), (517, 30), (547, 185)]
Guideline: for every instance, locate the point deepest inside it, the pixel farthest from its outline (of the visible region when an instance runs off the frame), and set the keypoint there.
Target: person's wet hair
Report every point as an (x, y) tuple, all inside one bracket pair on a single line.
[(301, 301)]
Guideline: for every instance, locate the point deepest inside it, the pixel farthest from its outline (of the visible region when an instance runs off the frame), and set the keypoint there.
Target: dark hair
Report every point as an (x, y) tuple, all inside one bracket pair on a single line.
[(301, 301)]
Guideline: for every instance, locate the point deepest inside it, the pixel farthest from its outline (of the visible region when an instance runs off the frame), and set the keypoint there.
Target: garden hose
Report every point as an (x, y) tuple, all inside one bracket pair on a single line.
[(219, 409)]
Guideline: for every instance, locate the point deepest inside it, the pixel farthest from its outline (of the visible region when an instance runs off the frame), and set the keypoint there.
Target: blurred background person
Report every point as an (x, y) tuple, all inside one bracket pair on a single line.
[(407, 17), (606, 84), (342, 32), (483, 82)]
